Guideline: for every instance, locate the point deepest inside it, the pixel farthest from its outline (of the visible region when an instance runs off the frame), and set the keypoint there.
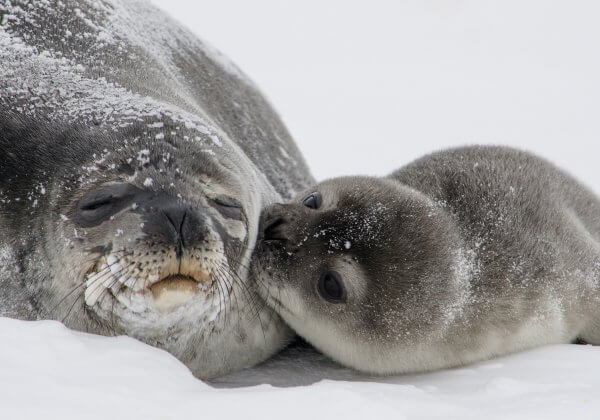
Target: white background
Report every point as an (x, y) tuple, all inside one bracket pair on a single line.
[(48, 372), (365, 87)]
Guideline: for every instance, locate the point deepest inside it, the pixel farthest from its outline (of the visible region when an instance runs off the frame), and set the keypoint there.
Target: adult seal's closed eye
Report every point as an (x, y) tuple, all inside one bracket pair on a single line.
[(460, 256), (135, 161)]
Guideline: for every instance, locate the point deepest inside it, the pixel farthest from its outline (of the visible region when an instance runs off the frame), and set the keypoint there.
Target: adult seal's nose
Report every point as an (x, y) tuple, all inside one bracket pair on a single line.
[(175, 224), (176, 216)]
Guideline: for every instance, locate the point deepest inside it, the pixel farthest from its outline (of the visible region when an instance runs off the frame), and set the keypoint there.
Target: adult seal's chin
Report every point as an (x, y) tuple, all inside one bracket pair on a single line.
[(134, 169), (174, 291)]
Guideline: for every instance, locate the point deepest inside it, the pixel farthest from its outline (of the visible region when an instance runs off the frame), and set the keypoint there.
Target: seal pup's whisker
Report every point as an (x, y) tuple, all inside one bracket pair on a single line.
[(251, 297), (221, 300), (254, 297)]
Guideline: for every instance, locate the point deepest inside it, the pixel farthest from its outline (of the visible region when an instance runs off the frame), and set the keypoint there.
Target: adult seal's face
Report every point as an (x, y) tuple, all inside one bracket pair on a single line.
[(359, 267), (164, 231), (141, 237)]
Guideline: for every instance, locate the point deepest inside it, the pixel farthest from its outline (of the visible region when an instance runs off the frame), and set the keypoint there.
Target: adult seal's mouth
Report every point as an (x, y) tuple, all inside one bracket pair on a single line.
[(110, 277), (173, 291)]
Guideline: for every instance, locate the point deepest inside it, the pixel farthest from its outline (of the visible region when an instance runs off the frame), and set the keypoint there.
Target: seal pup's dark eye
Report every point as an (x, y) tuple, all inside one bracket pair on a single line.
[(331, 287), (313, 201)]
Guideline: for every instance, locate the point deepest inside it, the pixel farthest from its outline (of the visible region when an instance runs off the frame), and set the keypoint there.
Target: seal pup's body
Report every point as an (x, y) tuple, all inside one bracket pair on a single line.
[(460, 256), (134, 162)]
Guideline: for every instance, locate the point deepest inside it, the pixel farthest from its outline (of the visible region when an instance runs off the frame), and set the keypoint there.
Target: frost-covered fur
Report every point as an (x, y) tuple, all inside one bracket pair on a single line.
[(460, 256), (98, 95)]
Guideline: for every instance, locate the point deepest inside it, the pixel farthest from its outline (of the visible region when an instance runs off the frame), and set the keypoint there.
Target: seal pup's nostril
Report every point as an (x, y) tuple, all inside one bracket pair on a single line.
[(272, 230)]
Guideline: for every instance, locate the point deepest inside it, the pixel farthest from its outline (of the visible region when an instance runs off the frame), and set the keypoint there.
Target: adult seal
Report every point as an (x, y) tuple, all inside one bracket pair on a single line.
[(135, 161), (460, 256)]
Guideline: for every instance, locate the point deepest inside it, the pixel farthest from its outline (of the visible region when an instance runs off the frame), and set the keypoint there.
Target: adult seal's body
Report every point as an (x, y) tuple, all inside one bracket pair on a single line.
[(134, 165), (463, 255)]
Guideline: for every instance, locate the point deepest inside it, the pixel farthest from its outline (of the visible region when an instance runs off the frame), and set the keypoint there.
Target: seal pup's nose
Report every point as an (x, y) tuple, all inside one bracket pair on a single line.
[(272, 229)]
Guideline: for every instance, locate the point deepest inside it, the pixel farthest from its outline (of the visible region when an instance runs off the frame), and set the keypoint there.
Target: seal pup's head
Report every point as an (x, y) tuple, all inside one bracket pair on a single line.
[(366, 269)]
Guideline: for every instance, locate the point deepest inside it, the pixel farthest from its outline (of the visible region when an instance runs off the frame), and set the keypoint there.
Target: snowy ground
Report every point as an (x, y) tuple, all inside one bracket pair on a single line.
[(364, 87), (56, 373)]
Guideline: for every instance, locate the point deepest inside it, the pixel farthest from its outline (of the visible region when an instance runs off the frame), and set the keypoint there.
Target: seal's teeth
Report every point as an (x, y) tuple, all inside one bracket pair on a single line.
[(123, 280), (111, 259), (92, 294)]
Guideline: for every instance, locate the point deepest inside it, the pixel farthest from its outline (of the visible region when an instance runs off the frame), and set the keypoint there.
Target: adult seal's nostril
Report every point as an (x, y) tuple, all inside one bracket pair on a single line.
[(176, 216), (178, 226), (192, 228)]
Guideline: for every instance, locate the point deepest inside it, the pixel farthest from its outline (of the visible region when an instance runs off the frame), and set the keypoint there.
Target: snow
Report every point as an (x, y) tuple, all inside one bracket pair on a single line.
[(51, 372), (364, 88)]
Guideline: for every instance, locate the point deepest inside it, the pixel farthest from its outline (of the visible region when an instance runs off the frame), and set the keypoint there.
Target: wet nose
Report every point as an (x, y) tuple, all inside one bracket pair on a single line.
[(176, 225), (176, 216), (273, 229), (275, 223)]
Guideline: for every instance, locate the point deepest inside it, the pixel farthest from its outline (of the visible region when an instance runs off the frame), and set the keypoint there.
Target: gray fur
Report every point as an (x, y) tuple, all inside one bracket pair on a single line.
[(460, 256), (98, 95)]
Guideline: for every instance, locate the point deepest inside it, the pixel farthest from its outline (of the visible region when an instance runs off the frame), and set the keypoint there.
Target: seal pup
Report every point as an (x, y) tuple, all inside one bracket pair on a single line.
[(134, 162), (460, 256)]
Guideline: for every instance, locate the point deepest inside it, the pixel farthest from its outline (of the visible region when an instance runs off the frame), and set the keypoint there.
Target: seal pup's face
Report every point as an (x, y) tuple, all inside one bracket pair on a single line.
[(363, 268)]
